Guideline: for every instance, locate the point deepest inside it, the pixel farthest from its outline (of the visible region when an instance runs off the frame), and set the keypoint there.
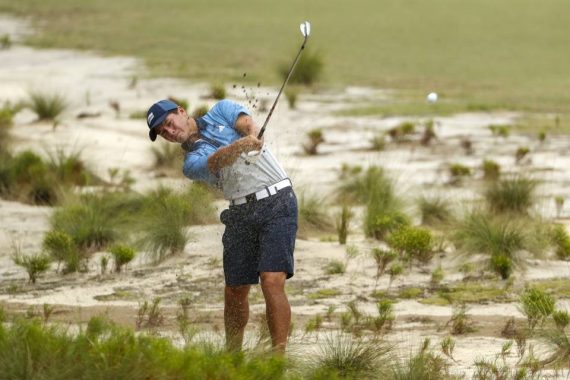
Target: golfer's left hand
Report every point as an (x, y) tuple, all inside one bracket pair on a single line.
[(250, 143)]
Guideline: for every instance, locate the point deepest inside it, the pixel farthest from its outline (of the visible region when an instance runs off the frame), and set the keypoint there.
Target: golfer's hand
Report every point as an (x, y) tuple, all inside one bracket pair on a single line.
[(249, 143)]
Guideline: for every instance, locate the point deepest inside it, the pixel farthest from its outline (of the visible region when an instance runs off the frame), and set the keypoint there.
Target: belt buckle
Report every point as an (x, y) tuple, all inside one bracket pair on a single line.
[(250, 198)]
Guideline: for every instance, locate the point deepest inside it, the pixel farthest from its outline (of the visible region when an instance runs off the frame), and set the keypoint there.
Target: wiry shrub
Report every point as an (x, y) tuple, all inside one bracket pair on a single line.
[(315, 138), (521, 153), (61, 247), (382, 258), (457, 172), (429, 134), (434, 210), (378, 142), (460, 321), (47, 106), (343, 356), (149, 315), (558, 351), (412, 243), (536, 305), (437, 276), (34, 264), (385, 316), (561, 319), (499, 130), (122, 255), (308, 70), (514, 195)]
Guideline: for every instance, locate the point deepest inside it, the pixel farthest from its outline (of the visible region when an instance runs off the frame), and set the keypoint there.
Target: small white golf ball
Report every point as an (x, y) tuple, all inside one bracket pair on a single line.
[(432, 97)]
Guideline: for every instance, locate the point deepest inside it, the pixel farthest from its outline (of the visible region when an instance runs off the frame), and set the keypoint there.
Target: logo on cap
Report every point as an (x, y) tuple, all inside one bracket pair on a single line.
[(150, 117)]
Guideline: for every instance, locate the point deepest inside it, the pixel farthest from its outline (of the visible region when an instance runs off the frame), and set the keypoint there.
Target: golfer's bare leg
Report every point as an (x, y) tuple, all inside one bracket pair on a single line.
[(277, 308), (236, 314)]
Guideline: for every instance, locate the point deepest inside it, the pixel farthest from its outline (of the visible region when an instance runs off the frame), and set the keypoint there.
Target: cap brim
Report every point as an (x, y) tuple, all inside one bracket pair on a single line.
[(157, 122)]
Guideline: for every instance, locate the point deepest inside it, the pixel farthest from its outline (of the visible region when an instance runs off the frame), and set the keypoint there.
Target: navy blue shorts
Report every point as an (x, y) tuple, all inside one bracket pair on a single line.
[(259, 237)]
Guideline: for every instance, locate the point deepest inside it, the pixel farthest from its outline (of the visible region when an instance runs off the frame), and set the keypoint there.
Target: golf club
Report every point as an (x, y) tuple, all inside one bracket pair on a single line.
[(306, 31)]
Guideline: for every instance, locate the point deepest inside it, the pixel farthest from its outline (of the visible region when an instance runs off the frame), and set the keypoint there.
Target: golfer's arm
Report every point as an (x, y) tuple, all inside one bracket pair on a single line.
[(229, 154)]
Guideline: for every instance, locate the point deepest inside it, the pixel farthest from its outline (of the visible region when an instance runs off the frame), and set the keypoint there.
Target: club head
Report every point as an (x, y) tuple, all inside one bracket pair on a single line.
[(305, 28)]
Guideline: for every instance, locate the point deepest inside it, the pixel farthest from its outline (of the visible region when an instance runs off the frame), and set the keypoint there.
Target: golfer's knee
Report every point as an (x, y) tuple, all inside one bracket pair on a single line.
[(236, 294), (274, 281)]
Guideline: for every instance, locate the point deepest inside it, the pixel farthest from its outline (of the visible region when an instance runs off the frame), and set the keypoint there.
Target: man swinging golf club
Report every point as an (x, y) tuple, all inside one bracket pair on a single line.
[(224, 148)]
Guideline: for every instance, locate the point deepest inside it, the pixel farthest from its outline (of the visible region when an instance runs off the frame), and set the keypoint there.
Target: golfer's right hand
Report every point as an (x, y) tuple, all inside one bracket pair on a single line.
[(249, 143)]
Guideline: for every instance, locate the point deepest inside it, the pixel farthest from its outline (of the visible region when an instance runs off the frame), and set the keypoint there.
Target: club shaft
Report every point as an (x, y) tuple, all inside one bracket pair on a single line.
[(281, 90)]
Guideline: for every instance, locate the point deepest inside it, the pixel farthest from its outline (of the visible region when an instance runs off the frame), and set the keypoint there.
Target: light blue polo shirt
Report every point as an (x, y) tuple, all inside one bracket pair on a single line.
[(217, 129)]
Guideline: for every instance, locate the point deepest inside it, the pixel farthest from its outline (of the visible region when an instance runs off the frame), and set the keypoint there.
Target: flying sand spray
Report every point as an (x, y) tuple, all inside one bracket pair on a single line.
[(306, 31)]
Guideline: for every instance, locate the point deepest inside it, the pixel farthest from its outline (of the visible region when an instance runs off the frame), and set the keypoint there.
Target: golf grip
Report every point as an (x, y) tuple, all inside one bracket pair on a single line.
[(260, 135)]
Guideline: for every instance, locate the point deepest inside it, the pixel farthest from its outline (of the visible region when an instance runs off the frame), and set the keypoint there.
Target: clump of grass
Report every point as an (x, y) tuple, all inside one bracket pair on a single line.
[(382, 258), (5, 41), (561, 242), (122, 255), (315, 138), (335, 267), (536, 305), (292, 93), (428, 134), (92, 220), (460, 321), (437, 276), (167, 155), (308, 70), (342, 356), (179, 101), (61, 247), (424, 365), (313, 216), (514, 195), (521, 153), (34, 265), (434, 210), (314, 324), (163, 231), (457, 172), (499, 130), (467, 145), (343, 223), (47, 106), (200, 111), (385, 317), (412, 243), (491, 170), (402, 131), (69, 168), (480, 233), (559, 202), (149, 315), (218, 91), (378, 142), (561, 319)]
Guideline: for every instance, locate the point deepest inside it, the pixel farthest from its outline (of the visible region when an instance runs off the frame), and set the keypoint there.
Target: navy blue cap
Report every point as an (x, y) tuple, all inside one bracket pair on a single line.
[(156, 115)]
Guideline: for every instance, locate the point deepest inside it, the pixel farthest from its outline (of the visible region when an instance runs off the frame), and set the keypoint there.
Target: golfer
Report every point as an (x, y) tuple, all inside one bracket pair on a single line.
[(261, 220)]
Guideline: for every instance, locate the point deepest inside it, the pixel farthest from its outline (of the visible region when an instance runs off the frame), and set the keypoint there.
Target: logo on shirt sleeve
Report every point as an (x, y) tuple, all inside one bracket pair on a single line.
[(221, 128)]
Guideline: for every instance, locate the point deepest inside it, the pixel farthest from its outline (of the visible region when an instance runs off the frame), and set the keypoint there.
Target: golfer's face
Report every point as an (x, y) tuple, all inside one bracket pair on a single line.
[(174, 128)]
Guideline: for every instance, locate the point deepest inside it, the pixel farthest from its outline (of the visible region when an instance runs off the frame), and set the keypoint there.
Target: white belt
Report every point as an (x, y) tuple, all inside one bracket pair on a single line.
[(264, 193)]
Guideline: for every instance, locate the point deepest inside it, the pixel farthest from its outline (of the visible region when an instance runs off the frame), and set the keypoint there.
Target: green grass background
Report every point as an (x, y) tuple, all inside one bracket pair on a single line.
[(512, 54)]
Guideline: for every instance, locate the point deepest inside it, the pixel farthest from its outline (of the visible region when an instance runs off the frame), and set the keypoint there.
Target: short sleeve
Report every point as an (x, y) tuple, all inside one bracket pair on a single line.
[(228, 111), (196, 168)]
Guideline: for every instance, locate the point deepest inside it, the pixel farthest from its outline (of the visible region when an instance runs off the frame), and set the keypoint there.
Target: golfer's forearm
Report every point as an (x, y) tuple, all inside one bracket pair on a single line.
[(225, 156)]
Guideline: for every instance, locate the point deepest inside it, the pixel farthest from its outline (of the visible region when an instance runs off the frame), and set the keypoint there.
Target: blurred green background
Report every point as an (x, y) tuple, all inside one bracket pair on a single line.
[(499, 54)]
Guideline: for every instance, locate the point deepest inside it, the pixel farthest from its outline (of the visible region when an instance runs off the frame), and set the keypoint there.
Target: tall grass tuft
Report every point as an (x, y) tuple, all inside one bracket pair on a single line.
[(435, 210), (481, 233), (47, 106), (313, 216), (314, 139), (342, 356), (343, 223), (424, 365), (163, 231), (384, 211), (536, 305), (511, 195), (69, 168)]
